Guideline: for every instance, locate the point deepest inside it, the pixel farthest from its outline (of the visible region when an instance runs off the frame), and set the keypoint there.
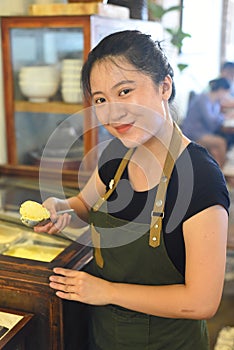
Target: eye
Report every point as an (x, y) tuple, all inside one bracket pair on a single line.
[(124, 92), (100, 100)]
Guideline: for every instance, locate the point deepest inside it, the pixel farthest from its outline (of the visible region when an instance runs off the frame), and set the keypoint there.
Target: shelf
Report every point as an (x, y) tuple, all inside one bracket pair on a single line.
[(69, 177), (56, 107)]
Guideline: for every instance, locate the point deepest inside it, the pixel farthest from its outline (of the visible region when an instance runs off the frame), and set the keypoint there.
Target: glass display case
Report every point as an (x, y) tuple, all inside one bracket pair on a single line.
[(27, 260), (42, 60)]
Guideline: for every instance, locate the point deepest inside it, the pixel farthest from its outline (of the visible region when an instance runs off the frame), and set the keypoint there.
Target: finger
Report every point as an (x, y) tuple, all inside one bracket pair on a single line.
[(66, 272), (66, 288), (70, 281), (50, 207), (62, 221), (68, 296), (44, 228)]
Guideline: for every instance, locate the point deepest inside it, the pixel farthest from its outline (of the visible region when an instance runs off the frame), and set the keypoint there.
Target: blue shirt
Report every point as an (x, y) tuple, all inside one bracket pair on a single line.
[(203, 117)]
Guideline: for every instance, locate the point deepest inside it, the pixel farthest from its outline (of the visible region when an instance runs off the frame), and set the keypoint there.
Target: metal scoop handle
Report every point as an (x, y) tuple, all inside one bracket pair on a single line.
[(60, 212), (32, 223)]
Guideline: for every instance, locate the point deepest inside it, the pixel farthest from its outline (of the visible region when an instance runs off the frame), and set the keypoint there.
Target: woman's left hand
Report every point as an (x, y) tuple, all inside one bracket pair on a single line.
[(80, 286)]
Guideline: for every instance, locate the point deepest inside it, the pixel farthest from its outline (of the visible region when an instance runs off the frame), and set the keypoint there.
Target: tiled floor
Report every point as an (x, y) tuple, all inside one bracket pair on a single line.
[(225, 315)]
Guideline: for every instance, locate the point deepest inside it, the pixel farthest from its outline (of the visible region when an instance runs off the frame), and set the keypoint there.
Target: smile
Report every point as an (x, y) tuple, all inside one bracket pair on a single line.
[(123, 128)]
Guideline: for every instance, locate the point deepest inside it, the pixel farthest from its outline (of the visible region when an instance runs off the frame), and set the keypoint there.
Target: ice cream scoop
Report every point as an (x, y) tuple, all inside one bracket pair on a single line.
[(33, 213), (32, 223)]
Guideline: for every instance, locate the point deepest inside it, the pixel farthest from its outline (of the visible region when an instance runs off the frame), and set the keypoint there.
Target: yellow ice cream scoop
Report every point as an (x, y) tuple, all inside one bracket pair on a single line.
[(31, 210), (33, 213)]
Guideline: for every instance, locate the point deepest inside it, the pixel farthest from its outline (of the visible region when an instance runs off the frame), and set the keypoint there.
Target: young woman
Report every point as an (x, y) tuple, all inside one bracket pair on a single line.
[(157, 205)]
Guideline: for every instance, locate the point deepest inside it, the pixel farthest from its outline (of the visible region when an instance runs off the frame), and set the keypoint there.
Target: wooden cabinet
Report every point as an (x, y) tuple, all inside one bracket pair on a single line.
[(48, 41), (40, 41), (26, 262), (56, 324)]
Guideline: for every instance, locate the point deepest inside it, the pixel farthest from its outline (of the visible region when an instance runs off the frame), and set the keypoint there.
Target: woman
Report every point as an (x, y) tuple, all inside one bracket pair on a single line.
[(158, 267), (204, 119)]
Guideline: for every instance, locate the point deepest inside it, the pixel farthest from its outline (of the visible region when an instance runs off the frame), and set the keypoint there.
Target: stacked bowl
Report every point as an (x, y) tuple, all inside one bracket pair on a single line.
[(70, 80), (39, 83)]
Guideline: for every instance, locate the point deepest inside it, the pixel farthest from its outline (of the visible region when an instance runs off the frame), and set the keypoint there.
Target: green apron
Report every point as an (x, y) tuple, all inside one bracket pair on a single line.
[(130, 252)]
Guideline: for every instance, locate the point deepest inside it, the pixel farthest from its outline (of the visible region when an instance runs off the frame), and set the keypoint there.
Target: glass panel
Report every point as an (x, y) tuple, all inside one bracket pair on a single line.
[(46, 69), (31, 245), (35, 129), (44, 46)]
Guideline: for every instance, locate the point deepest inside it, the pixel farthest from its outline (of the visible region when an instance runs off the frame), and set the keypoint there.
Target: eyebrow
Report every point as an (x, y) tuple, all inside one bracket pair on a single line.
[(122, 82)]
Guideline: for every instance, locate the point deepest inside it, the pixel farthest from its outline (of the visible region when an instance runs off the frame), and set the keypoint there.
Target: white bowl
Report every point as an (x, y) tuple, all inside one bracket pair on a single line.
[(71, 95), (71, 84), (69, 76), (71, 71), (38, 92), (41, 74)]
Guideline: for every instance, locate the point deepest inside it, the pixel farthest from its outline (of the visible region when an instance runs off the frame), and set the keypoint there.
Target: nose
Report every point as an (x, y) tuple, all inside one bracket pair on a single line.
[(117, 111), (111, 112)]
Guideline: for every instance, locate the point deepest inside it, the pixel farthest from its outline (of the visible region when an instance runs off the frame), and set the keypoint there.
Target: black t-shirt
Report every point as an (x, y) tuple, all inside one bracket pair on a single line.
[(196, 183)]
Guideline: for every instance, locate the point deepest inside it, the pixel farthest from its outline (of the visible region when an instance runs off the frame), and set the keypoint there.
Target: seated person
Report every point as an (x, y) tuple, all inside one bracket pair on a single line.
[(204, 119), (227, 72)]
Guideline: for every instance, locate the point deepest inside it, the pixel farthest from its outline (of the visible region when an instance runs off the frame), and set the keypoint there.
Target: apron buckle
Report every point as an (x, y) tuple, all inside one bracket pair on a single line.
[(159, 214)]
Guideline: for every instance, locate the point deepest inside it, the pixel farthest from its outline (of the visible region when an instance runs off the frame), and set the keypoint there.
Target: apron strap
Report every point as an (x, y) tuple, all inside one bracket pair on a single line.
[(113, 182), (112, 185), (157, 214)]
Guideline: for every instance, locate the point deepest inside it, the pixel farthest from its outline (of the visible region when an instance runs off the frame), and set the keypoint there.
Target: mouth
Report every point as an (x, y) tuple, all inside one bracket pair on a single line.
[(123, 128)]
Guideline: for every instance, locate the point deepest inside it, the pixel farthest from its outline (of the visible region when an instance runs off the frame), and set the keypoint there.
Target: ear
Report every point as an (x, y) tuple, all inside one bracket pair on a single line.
[(166, 88)]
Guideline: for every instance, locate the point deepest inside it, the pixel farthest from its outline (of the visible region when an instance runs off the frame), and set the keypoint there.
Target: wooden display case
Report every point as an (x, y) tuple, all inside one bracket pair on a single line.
[(56, 324), (32, 41), (26, 262), (48, 40)]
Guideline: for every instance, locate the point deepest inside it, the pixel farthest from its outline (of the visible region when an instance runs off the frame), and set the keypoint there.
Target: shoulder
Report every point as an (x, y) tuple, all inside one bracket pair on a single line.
[(202, 163), (196, 184), (199, 99), (205, 179)]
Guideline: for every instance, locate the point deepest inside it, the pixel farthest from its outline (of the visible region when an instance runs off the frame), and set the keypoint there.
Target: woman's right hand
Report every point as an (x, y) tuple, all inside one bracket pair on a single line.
[(57, 222)]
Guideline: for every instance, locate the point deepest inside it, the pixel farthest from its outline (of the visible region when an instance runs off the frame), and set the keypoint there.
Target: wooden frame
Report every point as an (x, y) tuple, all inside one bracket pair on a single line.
[(15, 335), (90, 135)]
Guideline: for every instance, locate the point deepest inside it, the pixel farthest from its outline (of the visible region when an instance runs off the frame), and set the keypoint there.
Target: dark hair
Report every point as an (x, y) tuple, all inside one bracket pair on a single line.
[(138, 49), (227, 65), (218, 84)]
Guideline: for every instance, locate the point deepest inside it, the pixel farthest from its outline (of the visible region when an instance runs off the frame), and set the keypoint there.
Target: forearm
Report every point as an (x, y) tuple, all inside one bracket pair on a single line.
[(173, 301), (80, 207)]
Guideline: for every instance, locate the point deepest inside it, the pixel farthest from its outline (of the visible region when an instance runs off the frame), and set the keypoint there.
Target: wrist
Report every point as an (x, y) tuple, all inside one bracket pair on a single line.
[(112, 293)]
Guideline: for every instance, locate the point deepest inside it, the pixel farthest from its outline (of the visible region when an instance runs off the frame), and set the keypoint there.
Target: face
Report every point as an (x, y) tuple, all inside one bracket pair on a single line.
[(228, 74), (127, 102), (222, 94)]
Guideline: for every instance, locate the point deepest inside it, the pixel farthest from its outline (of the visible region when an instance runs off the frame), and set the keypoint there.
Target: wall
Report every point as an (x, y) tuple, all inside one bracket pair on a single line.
[(202, 19), (9, 7)]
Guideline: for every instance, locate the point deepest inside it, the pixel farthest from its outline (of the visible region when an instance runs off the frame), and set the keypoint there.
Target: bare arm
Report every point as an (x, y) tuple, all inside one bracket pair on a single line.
[(205, 237), (80, 203), (205, 241)]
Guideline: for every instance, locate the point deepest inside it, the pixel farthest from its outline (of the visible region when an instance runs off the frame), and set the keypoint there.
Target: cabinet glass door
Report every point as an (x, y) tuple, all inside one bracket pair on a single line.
[(46, 65)]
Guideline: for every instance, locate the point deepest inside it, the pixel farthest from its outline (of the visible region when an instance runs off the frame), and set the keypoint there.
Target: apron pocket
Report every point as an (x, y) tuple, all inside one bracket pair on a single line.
[(131, 329)]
